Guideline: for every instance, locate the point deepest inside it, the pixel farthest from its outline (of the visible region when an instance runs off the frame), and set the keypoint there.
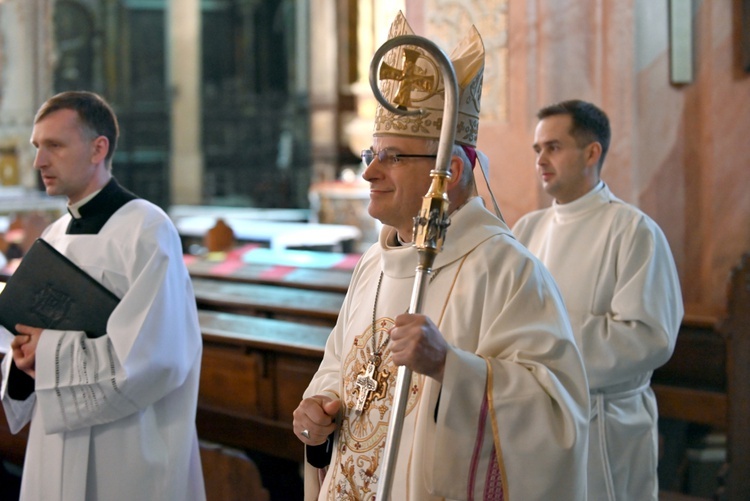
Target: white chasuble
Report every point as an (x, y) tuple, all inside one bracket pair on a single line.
[(510, 419)]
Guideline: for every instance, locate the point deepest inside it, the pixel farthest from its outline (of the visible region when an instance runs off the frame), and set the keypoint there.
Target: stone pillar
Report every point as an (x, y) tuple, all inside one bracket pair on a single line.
[(184, 77), (374, 18), (26, 65), (323, 81)]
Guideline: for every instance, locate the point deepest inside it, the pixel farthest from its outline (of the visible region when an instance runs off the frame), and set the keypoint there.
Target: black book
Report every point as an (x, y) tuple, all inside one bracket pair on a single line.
[(48, 290)]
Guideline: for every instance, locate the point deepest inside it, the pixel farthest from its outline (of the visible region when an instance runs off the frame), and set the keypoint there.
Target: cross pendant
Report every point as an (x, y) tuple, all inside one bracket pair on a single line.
[(366, 384)]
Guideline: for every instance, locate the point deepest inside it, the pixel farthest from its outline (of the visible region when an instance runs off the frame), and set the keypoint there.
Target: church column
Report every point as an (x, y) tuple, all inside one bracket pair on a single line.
[(184, 77), (26, 80), (324, 78), (374, 18)]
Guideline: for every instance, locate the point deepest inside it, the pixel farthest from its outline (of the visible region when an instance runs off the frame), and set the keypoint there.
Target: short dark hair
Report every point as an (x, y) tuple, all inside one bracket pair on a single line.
[(94, 112), (589, 123)]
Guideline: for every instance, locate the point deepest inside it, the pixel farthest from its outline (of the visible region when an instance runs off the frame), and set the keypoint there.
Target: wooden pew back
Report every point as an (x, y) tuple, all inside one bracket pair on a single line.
[(291, 268), (736, 328), (707, 381), (307, 306), (230, 475), (254, 373)]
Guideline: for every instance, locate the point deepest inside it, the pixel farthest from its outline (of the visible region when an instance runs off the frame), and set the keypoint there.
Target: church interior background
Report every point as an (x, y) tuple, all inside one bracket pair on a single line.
[(265, 103), (248, 109)]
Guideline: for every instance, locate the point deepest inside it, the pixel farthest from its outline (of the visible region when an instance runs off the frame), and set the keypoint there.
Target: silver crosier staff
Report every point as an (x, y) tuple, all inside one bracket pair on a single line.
[(429, 225)]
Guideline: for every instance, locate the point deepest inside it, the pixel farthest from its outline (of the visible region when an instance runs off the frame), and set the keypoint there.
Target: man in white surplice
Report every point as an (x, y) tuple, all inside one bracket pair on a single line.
[(112, 417), (616, 273), (498, 407)]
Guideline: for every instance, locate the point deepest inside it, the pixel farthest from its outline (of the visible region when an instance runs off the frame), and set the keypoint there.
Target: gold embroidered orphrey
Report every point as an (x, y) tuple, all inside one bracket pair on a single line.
[(410, 78)]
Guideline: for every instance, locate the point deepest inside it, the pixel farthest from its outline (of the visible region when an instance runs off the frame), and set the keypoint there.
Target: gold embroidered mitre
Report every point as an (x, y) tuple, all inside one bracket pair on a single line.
[(411, 78)]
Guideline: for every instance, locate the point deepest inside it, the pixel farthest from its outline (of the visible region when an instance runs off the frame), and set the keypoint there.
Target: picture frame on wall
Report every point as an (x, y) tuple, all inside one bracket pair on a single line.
[(681, 42), (745, 35)]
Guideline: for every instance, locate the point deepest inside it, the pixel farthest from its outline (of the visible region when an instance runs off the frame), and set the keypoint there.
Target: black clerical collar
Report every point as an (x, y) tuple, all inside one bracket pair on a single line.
[(96, 212)]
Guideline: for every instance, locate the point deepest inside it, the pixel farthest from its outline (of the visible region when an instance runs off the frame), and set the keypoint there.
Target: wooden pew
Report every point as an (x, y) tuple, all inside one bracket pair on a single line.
[(707, 381), (306, 306), (230, 475), (294, 268), (736, 329), (253, 375), (298, 278), (696, 374)]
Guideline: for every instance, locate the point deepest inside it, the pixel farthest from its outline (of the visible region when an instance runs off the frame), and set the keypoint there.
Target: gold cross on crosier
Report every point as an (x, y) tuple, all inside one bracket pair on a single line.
[(410, 78)]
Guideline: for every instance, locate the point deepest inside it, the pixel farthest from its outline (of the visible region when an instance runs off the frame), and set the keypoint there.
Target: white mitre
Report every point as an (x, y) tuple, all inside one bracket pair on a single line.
[(411, 78)]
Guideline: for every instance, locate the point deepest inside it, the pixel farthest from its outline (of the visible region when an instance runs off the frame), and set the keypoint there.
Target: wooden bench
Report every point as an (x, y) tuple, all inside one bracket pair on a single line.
[(696, 373), (230, 475), (299, 269), (298, 278), (254, 373), (285, 303), (707, 381)]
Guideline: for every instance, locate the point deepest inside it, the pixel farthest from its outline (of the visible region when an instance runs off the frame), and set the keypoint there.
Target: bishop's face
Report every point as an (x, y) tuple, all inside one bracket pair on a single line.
[(66, 156), (567, 171), (397, 185)]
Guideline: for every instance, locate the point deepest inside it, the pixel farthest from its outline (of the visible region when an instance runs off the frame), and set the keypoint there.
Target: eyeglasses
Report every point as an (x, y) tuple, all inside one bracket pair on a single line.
[(385, 156)]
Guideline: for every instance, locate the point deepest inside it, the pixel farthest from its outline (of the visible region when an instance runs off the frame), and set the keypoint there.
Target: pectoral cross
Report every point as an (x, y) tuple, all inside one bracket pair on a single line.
[(366, 384), (411, 77)]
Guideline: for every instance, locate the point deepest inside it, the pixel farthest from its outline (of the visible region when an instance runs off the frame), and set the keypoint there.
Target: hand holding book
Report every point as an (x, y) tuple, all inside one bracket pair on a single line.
[(49, 291)]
